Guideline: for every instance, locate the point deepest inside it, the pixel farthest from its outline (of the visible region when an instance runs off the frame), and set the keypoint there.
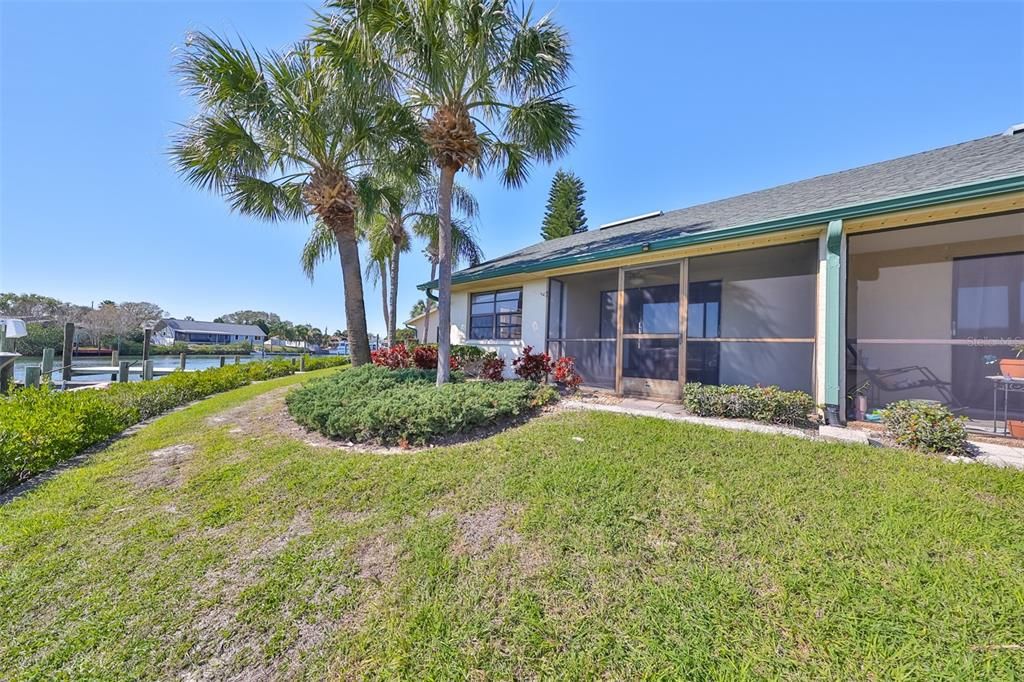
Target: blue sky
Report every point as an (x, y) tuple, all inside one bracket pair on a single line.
[(680, 103)]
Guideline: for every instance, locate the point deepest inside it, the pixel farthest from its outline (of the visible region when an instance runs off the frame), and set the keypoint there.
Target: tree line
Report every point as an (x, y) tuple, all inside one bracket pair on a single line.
[(109, 323), (363, 126)]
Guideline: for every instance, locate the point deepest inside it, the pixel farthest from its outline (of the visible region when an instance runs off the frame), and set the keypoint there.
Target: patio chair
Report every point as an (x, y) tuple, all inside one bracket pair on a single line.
[(901, 379)]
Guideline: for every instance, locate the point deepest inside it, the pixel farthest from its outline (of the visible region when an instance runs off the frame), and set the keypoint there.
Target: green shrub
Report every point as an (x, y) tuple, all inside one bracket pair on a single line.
[(925, 426), (40, 427), (761, 403), (403, 406), (323, 362), (465, 354)]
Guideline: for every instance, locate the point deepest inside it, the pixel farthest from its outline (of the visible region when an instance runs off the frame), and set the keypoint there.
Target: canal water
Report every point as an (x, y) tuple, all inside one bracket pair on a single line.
[(169, 361)]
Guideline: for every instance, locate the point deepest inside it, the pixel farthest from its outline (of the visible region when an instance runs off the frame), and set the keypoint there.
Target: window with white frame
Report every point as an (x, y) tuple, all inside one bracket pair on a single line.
[(496, 315)]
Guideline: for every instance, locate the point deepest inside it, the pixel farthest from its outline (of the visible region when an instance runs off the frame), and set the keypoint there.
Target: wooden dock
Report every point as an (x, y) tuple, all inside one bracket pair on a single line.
[(114, 369), (118, 370)]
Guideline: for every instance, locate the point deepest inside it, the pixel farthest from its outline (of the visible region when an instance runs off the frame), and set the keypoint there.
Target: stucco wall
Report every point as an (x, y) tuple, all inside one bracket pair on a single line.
[(535, 311)]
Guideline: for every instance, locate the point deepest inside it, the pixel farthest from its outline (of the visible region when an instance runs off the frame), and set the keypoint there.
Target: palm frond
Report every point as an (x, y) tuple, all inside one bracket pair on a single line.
[(222, 76), (211, 149), (265, 199), (544, 127), (320, 246)]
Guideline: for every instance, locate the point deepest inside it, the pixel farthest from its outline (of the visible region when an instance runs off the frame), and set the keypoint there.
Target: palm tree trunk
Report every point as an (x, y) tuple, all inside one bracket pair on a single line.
[(352, 277), (444, 280), (385, 298), (393, 329)]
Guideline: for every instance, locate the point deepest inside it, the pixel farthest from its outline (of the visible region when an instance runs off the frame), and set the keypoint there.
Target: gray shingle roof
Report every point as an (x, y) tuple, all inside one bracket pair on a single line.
[(213, 327), (990, 158)]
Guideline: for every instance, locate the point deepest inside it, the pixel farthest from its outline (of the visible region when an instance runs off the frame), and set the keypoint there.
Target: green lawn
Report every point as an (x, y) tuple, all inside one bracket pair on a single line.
[(217, 542)]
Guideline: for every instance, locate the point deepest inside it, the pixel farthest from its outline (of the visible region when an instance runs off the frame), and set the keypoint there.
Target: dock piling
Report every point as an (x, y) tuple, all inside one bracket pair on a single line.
[(67, 350), (32, 374), (222, 361), (238, 359), (147, 370), (122, 371), (47, 364), (147, 339), (181, 361), (302, 362)]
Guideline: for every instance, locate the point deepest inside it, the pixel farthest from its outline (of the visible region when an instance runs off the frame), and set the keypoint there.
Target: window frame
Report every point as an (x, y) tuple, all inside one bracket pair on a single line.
[(495, 322)]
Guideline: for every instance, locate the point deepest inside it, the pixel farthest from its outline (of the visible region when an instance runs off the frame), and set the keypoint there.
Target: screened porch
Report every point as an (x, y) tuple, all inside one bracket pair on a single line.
[(931, 313), (742, 317)]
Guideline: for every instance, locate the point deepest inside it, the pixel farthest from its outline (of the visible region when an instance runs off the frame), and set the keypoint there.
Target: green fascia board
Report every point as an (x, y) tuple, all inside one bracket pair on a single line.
[(900, 203)]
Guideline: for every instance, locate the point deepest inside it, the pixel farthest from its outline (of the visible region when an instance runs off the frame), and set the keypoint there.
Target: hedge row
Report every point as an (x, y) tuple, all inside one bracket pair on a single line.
[(40, 427), (761, 403), (403, 406)]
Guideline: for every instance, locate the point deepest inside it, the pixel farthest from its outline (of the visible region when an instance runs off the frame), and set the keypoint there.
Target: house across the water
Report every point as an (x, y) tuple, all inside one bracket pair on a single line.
[(170, 331), (901, 279)]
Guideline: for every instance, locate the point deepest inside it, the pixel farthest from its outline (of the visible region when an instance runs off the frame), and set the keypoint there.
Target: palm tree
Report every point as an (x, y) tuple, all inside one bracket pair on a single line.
[(380, 268), (405, 199), (485, 80), (284, 137), (418, 308), (465, 247)]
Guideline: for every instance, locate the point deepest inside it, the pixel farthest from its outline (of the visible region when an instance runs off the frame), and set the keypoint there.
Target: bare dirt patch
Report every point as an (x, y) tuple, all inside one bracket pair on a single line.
[(377, 559), (480, 532), (267, 413), (165, 468), (223, 648)]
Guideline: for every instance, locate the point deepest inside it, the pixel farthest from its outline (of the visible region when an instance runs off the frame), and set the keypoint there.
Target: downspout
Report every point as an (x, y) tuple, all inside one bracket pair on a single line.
[(834, 332)]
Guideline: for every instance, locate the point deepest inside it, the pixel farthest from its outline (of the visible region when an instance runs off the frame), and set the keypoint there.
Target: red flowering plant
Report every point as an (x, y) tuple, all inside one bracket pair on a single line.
[(396, 357), (425, 357), (493, 368), (532, 366), (565, 373)]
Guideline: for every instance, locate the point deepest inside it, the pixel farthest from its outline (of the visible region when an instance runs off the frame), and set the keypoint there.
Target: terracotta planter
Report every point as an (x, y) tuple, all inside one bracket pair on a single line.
[(1016, 428), (1012, 367)]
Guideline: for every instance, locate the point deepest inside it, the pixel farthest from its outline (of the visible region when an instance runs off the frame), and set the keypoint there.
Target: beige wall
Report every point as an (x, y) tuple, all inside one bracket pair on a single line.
[(535, 310), (582, 313)]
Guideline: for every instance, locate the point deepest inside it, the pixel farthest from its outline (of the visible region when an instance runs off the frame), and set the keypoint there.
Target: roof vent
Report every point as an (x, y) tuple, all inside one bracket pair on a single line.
[(645, 216), (1014, 129)]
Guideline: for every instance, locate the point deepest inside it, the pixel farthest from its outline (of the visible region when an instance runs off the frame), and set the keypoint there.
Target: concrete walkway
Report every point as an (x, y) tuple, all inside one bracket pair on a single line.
[(675, 412), (987, 453)]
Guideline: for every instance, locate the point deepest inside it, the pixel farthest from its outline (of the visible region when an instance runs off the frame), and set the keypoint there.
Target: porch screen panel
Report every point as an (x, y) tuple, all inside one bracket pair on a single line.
[(932, 309), (581, 324), (650, 323), (751, 317)]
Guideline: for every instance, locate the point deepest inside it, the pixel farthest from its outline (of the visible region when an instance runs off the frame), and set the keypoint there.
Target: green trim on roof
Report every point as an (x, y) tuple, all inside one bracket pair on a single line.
[(900, 203)]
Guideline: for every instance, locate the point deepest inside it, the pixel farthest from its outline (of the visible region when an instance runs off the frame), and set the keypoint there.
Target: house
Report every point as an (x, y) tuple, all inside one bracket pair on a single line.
[(897, 280), (425, 326), (170, 331)]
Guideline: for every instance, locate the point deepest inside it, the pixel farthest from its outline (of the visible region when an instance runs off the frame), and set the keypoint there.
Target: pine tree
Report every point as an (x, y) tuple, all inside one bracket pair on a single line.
[(564, 212)]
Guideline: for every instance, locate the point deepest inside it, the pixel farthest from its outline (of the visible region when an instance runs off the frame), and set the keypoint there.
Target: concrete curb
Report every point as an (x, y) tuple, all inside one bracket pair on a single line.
[(690, 419)]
